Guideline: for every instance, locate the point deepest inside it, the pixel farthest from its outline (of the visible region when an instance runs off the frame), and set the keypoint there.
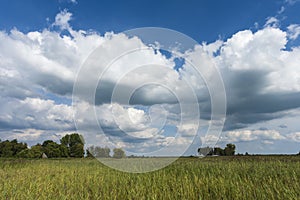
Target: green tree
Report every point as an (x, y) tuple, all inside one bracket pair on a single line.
[(11, 148), (74, 143), (119, 153), (36, 151), (25, 153), (72, 139), (51, 149), (17, 146), (77, 150), (64, 152), (229, 150), (218, 151), (6, 149)]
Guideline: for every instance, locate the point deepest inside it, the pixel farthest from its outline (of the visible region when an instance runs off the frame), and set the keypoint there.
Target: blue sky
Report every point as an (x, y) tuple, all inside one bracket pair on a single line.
[(201, 20), (254, 44)]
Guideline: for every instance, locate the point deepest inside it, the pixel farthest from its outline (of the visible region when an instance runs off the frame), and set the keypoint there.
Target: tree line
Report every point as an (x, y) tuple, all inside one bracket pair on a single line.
[(229, 150), (70, 146), (99, 152)]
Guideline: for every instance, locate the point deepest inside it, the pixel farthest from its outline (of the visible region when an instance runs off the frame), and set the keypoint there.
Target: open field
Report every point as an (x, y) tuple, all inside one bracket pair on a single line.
[(238, 177)]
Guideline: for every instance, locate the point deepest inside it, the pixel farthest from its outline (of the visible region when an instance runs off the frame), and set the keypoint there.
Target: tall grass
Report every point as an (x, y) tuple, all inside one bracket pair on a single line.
[(188, 178)]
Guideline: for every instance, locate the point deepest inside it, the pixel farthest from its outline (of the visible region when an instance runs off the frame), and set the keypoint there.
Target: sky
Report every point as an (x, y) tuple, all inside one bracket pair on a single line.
[(61, 71)]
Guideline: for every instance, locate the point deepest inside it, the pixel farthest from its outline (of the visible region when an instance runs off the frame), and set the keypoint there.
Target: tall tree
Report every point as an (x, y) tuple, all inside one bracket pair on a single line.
[(229, 150), (74, 143)]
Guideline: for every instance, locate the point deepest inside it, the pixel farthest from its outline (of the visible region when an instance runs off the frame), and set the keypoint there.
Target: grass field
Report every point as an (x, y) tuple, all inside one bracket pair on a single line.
[(238, 177)]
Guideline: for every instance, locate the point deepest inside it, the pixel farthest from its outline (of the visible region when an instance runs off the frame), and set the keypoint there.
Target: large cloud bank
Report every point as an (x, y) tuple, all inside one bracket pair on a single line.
[(38, 70)]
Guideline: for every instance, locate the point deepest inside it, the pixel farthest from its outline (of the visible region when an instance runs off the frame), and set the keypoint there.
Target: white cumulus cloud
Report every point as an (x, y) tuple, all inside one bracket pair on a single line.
[(38, 70), (251, 135)]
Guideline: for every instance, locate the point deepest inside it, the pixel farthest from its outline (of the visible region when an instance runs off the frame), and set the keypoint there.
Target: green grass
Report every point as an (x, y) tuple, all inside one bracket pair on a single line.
[(255, 177)]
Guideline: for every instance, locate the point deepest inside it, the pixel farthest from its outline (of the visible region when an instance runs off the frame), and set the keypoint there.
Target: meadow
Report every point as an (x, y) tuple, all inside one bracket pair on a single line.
[(236, 177)]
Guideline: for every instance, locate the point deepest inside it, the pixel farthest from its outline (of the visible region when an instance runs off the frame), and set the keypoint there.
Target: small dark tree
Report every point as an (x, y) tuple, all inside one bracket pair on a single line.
[(229, 150)]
